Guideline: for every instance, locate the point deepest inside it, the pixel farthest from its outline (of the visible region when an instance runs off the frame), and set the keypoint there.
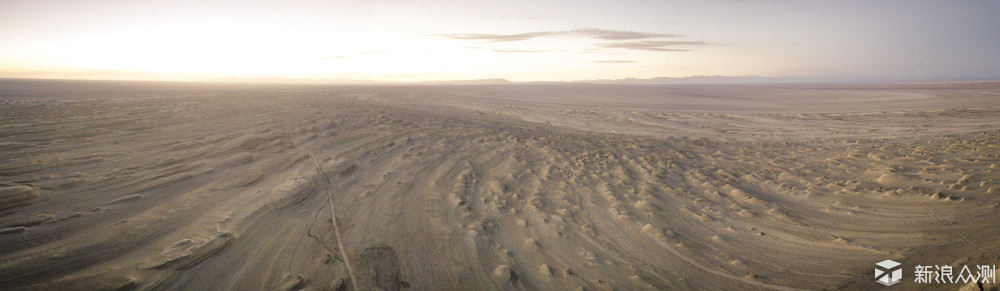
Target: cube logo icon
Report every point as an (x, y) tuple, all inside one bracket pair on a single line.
[(888, 272)]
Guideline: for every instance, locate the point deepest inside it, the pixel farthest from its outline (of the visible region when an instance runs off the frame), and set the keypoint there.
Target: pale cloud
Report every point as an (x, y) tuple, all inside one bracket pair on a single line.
[(614, 62), (660, 46), (499, 37), (606, 34), (518, 51), (595, 33), (631, 40)]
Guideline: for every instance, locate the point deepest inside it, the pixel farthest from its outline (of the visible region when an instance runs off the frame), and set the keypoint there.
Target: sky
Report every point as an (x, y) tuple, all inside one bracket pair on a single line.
[(515, 40)]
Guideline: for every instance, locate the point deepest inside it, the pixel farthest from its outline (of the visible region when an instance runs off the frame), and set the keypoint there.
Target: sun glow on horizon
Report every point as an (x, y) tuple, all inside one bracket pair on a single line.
[(521, 41)]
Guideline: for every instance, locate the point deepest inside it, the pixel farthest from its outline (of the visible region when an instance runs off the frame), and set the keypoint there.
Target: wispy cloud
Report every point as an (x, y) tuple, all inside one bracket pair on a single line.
[(518, 51), (614, 61), (499, 37), (626, 40), (660, 46), (606, 34), (596, 33)]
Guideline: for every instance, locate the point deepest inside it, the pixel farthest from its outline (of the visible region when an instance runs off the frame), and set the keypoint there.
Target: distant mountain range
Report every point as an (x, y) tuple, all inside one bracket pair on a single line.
[(294, 81), (692, 80), (628, 81), (496, 81), (734, 80), (688, 80), (500, 81)]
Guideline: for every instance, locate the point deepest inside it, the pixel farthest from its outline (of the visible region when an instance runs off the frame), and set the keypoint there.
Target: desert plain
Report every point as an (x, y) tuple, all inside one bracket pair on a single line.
[(194, 186)]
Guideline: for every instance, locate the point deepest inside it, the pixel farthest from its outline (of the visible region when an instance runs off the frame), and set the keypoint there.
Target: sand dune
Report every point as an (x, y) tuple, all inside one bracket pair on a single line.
[(188, 186)]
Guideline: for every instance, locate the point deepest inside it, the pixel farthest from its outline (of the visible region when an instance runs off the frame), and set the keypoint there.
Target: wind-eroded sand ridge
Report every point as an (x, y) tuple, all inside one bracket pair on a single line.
[(172, 186)]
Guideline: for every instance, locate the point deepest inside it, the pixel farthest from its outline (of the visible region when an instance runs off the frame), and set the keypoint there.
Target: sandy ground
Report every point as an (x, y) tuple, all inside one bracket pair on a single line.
[(193, 186)]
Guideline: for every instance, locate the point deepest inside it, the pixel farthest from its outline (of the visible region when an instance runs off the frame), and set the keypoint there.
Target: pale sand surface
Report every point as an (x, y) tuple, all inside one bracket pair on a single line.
[(111, 185)]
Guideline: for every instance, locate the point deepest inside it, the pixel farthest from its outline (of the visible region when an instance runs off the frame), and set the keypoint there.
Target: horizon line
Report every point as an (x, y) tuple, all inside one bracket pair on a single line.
[(688, 80)]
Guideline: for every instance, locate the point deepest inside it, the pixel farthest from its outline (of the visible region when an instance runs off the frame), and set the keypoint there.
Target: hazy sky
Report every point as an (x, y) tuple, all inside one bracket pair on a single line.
[(516, 40)]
